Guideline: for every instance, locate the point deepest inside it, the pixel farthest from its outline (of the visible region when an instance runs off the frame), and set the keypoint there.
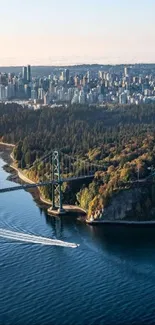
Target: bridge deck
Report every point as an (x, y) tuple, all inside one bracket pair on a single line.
[(27, 186), (70, 179)]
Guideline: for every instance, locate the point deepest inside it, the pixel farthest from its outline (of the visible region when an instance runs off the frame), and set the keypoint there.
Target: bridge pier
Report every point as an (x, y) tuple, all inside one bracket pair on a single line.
[(57, 208), (56, 211), (56, 180)]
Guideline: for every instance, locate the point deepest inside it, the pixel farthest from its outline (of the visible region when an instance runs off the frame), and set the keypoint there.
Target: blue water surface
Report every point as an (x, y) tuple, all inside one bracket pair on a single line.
[(108, 279)]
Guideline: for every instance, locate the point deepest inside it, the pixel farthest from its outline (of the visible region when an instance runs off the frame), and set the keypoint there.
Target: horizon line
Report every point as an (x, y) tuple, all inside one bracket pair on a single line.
[(76, 64)]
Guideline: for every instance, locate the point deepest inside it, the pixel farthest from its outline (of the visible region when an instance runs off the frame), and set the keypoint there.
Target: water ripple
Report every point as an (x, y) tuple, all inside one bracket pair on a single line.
[(107, 280)]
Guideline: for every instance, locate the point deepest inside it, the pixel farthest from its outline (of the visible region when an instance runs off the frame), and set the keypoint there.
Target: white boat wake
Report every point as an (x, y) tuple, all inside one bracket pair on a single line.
[(34, 239)]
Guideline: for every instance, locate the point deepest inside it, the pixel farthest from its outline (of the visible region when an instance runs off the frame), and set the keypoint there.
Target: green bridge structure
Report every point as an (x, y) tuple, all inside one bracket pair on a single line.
[(60, 164), (65, 169)]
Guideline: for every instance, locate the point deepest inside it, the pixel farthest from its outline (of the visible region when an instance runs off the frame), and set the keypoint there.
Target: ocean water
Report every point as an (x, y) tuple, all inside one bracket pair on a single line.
[(108, 279)]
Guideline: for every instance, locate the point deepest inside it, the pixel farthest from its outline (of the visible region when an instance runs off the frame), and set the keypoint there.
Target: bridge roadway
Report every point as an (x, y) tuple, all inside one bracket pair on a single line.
[(63, 180), (27, 186)]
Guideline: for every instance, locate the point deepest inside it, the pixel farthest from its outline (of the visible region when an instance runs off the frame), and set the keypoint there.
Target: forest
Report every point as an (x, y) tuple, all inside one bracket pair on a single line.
[(122, 139)]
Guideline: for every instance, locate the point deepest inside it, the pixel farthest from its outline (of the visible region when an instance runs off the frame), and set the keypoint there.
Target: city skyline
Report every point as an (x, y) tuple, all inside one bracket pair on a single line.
[(67, 33), (78, 85)]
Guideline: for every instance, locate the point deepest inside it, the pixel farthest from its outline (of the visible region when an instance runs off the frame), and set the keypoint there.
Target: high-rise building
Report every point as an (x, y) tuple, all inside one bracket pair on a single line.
[(85, 80), (90, 97), (82, 97), (33, 94), (88, 76), (46, 99), (64, 76), (27, 91), (2, 93), (67, 75), (51, 87), (76, 80), (101, 75), (10, 76), (75, 99), (24, 73), (123, 98), (60, 93), (70, 93), (41, 93), (10, 90), (28, 73), (126, 71)]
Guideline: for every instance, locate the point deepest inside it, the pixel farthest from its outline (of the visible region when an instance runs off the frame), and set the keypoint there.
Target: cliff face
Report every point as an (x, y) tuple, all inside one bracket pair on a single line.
[(133, 204)]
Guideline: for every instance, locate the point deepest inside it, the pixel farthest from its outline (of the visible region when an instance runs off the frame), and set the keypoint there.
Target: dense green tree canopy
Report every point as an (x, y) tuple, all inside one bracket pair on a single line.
[(120, 138)]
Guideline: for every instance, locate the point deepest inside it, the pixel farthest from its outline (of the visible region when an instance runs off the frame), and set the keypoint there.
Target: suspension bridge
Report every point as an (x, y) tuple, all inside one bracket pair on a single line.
[(57, 168)]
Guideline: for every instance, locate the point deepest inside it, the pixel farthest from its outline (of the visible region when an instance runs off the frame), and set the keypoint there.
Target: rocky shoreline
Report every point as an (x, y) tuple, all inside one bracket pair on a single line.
[(119, 222), (130, 206)]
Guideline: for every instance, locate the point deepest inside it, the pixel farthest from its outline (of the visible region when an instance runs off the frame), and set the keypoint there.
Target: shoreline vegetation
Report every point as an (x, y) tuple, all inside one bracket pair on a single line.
[(72, 208), (119, 138), (67, 207)]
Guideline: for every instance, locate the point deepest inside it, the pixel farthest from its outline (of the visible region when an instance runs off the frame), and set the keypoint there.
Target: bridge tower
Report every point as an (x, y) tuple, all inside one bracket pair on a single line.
[(56, 187)]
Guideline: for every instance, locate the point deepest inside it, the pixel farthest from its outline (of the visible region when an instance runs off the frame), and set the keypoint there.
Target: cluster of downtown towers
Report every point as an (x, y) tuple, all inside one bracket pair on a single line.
[(81, 84)]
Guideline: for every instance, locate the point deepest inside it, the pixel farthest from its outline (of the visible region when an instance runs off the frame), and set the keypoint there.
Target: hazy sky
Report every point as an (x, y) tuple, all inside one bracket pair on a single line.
[(76, 31)]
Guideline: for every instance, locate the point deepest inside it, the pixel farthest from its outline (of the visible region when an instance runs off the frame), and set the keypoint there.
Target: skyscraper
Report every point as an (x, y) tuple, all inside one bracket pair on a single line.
[(67, 75), (2, 93), (88, 76), (126, 71), (28, 73), (24, 73)]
